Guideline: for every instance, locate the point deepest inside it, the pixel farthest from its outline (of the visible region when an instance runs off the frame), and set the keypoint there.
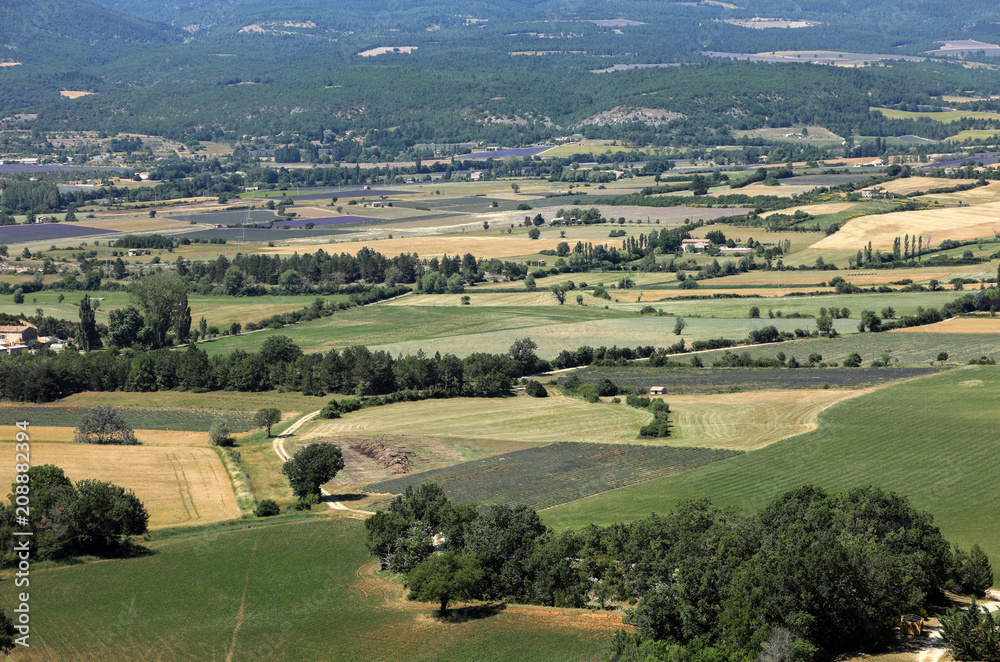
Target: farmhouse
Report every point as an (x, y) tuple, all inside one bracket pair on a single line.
[(874, 192), (12, 350), (21, 333), (475, 176), (695, 245), (657, 390), (43, 219)]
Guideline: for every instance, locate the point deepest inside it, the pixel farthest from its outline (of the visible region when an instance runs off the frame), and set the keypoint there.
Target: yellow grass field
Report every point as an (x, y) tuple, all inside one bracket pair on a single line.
[(291, 404), (74, 94), (133, 224), (978, 195), (958, 325), (946, 117), (154, 437), (747, 421), (179, 486), (534, 420), (934, 225)]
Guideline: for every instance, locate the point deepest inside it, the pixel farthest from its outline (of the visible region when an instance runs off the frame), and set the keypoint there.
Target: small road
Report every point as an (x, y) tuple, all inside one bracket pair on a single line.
[(279, 447)]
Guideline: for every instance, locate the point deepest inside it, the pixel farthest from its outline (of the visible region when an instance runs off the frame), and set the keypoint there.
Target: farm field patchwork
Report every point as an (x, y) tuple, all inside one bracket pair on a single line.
[(278, 593), (179, 486), (546, 476), (931, 439), (520, 419)]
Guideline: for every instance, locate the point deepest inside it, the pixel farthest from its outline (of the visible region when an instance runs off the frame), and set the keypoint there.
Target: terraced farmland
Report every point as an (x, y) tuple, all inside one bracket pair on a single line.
[(550, 475)]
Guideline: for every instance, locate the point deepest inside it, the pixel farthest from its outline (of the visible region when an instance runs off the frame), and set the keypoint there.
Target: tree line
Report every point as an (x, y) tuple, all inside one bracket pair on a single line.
[(809, 576)]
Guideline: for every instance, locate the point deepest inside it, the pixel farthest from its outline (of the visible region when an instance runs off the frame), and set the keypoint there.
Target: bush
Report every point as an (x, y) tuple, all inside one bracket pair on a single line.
[(606, 387), (219, 433), (104, 425), (267, 508), (535, 389)]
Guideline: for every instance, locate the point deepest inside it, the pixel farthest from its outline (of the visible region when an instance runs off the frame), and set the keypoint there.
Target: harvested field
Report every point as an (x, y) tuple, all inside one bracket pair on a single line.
[(190, 420), (132, 224), (74, 94), (816, 210), (151, 437), (179, 486), (748, 421), (909, 185), (289, 403), (523, 419), (550, 475), (715, 380), (958, 325), (934, 225)]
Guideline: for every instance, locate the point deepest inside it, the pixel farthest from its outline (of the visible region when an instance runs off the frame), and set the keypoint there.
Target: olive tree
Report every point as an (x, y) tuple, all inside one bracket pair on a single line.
[(104, 425)]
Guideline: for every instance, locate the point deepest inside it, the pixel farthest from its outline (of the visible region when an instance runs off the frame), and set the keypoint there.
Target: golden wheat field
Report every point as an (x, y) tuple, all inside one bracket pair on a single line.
[(155, 437), (934, 225), (958, 325), (179, 486), (750, 420)]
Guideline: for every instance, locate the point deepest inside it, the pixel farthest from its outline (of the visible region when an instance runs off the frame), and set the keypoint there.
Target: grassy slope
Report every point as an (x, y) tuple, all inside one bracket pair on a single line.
[(303, 597), (932, 439)]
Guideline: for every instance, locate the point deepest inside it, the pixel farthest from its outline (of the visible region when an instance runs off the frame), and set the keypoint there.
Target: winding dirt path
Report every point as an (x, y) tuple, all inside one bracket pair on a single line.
[(279, 447), (934, 650)]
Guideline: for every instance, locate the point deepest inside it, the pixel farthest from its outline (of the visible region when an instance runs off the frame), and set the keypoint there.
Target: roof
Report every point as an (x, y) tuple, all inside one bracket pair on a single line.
[(14, 329)]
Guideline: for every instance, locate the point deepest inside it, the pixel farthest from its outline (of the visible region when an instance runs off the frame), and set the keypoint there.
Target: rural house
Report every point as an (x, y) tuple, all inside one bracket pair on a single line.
[(874, 192), (695, 245), (17, 334), (657, 390)]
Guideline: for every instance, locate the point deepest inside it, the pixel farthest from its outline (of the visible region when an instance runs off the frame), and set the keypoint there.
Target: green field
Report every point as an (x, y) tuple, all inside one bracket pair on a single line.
[(301, 591), (931, 439), (906, 349), (384, 325)]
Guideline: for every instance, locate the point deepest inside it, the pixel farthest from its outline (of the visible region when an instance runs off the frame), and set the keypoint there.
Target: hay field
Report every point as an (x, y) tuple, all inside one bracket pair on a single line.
[(908, 185), (750, 420), (74, 94), (958, 325), (290, 404), (135, 224), (816, 134), (936, 224), (154, 437), (586, 147), (525, 419), (975, 196), (179, 486)]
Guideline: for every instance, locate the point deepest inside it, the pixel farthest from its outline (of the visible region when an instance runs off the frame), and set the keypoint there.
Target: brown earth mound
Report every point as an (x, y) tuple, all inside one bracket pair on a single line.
[(395, 461)]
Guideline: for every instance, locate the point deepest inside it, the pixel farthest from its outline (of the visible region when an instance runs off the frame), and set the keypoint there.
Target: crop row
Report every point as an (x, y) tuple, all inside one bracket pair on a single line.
[(558, 473), (140, 418)]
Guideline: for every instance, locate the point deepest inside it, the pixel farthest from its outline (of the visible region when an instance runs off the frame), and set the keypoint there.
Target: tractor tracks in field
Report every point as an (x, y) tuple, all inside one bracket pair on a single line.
[(279, 447)]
